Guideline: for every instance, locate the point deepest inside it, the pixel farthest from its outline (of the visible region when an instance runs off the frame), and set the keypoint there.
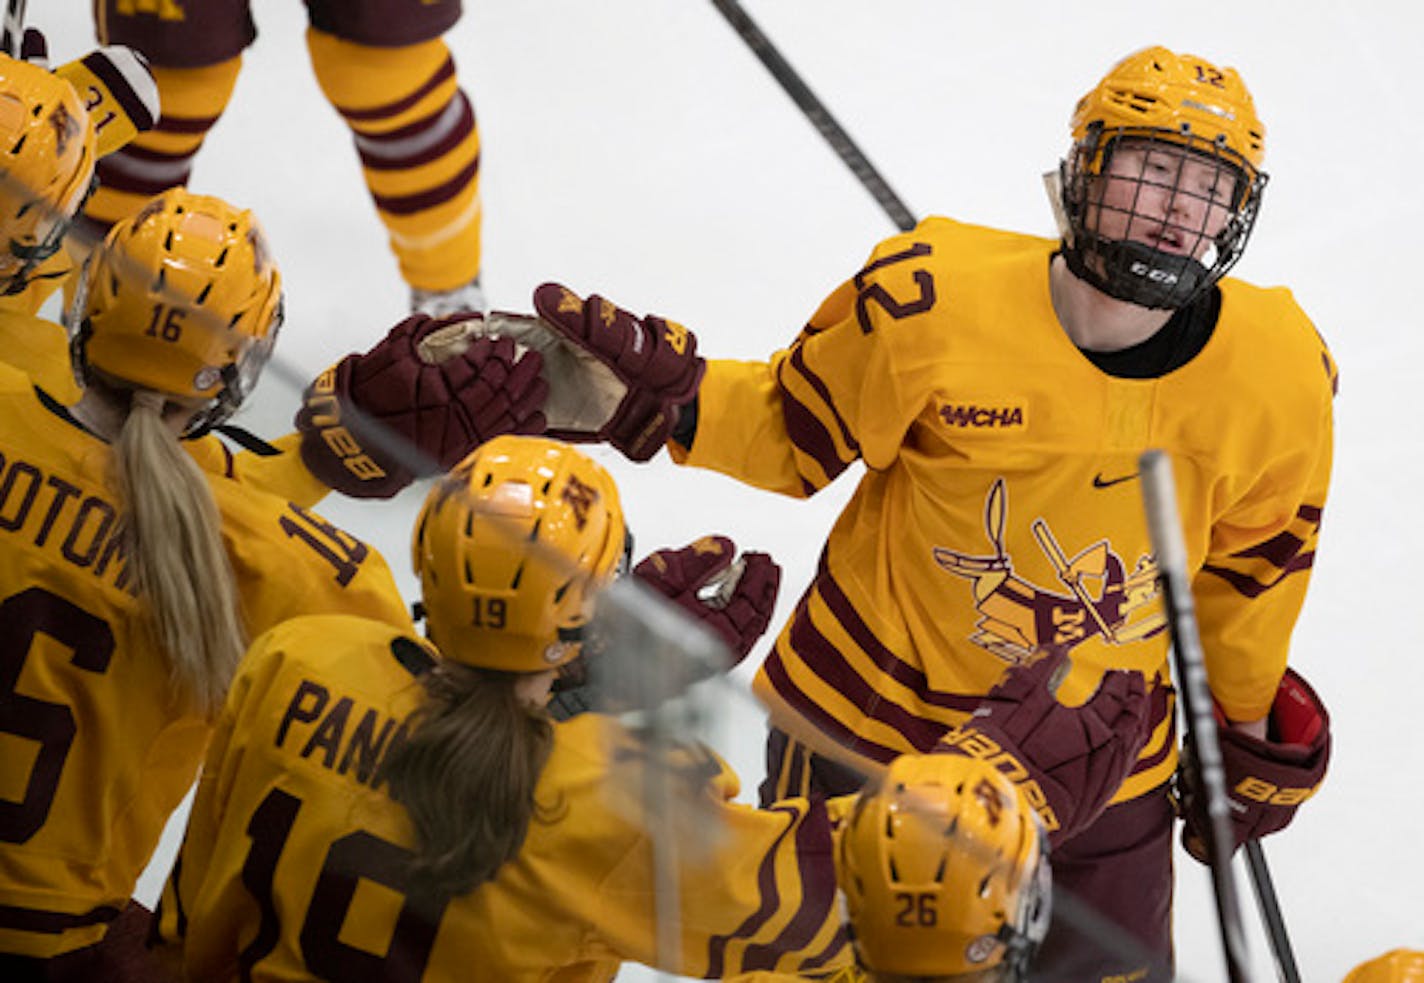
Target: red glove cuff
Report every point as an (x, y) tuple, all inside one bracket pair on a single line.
[(1266, 780)]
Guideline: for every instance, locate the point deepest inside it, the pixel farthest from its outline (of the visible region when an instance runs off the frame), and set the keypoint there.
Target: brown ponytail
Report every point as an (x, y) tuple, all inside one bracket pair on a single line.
[(467, 772), (175, 545)]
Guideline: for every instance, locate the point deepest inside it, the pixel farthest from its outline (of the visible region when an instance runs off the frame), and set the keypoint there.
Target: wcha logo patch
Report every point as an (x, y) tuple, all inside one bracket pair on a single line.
[(976, 415)]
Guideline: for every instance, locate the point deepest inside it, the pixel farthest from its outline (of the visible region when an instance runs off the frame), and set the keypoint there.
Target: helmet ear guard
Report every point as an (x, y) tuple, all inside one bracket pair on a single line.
[(1161, 103)]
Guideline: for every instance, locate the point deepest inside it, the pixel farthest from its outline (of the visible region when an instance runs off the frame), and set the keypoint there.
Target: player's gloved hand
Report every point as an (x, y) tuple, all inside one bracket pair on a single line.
[(1067, 760), (116, 84), (734, 597), (655, 358), (1266, 780), (413, 400)]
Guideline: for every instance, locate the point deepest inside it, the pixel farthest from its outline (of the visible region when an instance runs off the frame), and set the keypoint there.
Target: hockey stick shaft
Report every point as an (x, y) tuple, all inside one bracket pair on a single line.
[(817, 113), (14, 27), (1265, 889), (1165, 526)]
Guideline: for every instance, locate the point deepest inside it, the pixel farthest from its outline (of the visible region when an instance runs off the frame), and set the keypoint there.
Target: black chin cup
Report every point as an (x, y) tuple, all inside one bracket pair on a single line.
[(1137, 273)]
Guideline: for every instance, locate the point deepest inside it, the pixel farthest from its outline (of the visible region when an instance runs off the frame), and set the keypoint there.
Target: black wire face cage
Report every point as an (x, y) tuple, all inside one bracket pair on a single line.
[(1170, 255)]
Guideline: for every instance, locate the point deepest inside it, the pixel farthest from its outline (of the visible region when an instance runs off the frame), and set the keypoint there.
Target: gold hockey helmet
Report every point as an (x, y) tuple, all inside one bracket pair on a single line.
[(944, 871), (182, 298), (1162, 99), (46, 166), (1182, 99), (1396, 966), (511, 547)]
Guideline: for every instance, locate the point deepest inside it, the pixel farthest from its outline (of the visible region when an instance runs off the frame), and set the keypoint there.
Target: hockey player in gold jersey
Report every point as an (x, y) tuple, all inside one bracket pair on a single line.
[(129, 578), (378, 806), (999, 389)]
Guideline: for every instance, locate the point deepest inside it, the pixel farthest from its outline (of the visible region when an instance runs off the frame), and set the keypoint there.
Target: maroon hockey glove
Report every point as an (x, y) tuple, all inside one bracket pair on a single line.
[(736, 600), (409, 407), (1068, 761), (656, 359), (1266, 780)]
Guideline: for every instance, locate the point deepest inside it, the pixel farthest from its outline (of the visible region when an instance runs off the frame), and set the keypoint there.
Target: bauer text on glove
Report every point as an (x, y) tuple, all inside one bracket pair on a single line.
[(1266, 780), (1067, 760), (371, 423)]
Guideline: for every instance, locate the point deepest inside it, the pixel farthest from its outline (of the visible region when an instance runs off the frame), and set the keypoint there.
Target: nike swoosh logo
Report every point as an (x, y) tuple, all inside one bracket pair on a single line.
[(1100, 482)]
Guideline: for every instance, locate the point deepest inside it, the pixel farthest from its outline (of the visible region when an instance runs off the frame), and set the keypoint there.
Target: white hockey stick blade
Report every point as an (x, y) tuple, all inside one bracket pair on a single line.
[(583, 392)]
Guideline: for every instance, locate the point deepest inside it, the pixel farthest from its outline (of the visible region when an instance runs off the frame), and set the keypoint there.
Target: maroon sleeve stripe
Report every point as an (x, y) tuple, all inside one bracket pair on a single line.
[(119, 88), (816, 873), (1278, 551), (445, 72), (770, 897), (811, 437), (422, 142), (438, 195), (1249, 586), (818, 385)]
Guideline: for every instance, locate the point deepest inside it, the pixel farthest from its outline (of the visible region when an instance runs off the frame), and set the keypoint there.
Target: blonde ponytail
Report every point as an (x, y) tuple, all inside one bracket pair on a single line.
[(176, 548)]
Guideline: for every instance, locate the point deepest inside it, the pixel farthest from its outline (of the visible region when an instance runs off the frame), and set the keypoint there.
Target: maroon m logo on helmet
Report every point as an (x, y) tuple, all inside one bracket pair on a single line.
[(66, 128), (580, 499)]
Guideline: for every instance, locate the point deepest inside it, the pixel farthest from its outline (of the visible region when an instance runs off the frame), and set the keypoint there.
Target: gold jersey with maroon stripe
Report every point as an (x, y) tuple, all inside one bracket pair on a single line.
[(97, 750), (295, 861), (40, 348), (1000, 509)]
